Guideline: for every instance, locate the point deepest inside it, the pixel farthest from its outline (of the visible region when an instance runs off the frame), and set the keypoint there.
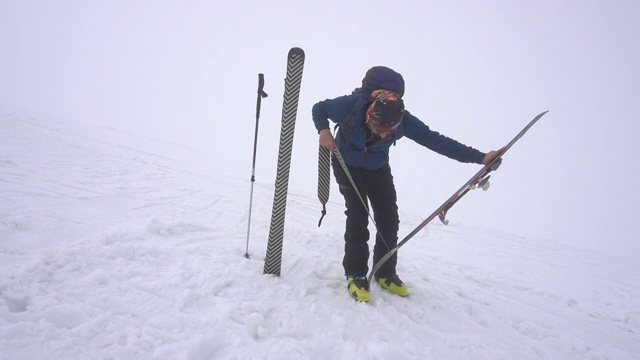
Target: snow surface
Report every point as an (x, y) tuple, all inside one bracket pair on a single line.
[(119, 246)]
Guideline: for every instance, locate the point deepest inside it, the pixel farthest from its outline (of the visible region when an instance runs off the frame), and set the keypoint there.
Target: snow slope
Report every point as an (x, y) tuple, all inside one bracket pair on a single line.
[(117, 246)]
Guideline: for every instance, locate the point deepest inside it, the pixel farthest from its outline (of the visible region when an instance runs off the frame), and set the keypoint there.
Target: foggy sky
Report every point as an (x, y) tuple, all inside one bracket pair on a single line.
[(186, 72)]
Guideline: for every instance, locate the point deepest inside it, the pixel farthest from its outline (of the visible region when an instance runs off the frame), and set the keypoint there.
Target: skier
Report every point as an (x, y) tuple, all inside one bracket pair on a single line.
[(370, 120)]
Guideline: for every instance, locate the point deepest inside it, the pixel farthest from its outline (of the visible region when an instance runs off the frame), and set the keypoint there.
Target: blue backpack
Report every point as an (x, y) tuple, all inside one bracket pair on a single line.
[(382, 77)]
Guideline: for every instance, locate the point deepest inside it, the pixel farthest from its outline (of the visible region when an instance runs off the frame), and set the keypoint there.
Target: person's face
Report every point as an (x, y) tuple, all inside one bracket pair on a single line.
[(375, 130)]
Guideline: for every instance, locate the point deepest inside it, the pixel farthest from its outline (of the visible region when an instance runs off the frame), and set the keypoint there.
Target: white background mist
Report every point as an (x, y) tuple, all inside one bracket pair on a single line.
[(186, 72)]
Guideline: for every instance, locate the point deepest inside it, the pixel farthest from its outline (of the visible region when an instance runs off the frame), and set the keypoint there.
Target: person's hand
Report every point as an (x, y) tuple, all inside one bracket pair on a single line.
[(491, 155), (326, 139)]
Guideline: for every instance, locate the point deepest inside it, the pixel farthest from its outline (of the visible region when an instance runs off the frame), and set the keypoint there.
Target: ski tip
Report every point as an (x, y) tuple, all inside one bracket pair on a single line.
[(539, 116), (296, 51)]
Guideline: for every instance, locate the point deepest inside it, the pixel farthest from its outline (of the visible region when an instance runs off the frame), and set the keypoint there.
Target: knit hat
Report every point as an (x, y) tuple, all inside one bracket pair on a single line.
[(386, 112)]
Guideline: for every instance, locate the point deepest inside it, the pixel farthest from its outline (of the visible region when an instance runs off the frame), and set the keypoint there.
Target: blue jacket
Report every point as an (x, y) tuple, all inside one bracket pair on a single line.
[(353, 139)]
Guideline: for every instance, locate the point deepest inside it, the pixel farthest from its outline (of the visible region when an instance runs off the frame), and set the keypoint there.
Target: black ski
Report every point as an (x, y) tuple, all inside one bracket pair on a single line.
[(480, 179), (295, 64)]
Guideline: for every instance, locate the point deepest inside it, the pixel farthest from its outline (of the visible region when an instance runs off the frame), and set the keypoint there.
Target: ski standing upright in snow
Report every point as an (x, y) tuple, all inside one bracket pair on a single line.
[(295, 64), (480, 179)]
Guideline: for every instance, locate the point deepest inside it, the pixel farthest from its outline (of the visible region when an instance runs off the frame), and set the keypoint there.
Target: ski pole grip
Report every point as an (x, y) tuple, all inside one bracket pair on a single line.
[(261, 86)]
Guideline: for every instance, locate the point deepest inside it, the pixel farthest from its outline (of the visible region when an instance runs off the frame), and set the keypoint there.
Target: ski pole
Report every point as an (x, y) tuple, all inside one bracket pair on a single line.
[(261, 94)]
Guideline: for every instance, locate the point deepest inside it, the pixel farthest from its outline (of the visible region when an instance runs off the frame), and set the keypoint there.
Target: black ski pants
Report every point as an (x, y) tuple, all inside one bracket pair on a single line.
[(375, 187)]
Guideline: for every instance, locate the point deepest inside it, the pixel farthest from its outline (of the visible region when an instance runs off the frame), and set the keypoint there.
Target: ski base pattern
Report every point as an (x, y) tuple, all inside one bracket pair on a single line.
[(295, 64), (480, 179)]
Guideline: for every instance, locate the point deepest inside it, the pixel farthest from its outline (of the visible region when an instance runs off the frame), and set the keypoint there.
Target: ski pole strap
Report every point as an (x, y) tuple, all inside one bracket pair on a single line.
[(324, 173)]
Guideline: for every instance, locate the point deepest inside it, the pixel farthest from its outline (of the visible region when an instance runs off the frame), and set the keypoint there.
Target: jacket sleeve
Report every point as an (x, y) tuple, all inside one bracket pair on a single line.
[(335, 109), (419, 132)]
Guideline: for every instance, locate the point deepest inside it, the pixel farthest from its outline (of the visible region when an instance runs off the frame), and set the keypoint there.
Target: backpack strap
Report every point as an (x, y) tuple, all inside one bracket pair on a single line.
[(363, 100)]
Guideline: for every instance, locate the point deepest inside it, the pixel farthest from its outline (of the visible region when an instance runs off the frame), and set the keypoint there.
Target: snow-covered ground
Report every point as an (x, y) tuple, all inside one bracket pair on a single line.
[(117, 246)]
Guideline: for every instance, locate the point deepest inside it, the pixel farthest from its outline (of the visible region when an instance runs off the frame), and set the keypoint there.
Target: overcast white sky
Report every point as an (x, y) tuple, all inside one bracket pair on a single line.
[(186, 71)]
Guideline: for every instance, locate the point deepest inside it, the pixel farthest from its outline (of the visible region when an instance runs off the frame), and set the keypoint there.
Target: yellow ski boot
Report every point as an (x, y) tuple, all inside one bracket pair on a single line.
[(394, 285), (358, 288)]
